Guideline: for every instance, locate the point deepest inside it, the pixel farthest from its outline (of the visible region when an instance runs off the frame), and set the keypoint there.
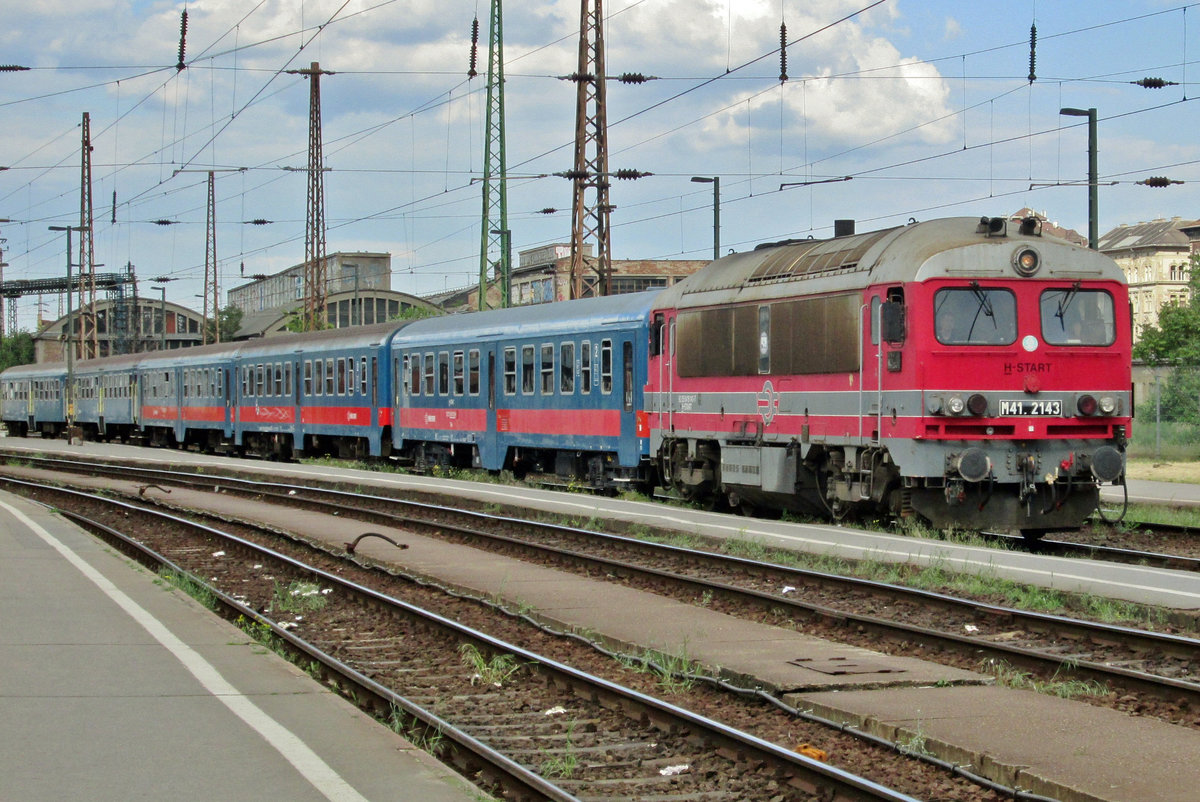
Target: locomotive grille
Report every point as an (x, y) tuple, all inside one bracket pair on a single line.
[(821, 256)]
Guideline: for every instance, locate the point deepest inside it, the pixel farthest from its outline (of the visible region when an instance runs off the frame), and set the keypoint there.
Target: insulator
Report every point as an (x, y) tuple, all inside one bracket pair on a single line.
[(1159, 181), (471, 73), (164, 222), (547, 210), (574, 175), (578, 77), (783, 51), (634, 78), (114, 208), (1153, 83), (258, 221), (1033, 53), (631, 175), (12, 68), (182, 40)]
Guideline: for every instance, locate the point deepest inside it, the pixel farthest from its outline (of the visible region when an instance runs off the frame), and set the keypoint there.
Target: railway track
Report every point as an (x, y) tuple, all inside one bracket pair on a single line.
[(512, 716), (1159, 669)]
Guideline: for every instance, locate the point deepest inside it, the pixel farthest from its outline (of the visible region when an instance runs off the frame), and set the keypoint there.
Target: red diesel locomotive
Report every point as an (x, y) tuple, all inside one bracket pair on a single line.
[(972, 372)]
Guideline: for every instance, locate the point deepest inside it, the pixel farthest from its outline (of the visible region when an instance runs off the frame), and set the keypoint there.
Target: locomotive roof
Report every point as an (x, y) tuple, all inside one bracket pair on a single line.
[(955, 247), (563, 317)]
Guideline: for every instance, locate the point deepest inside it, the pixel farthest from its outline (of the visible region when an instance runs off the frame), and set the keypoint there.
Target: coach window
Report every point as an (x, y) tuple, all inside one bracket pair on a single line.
[(287, 379), (547, 369), (412, 373), (627, 374), (473, 371), (566, 368), (585, 368), (527, 353), (510, 371), (458, 373), (444, 373), (429, 374), (330, 377), (319, 377), (259, 382), (279, 380), (362, 375), (606, 366), (1071, 316), (975, 315), (308, 376), (764, 340), (340, 371)]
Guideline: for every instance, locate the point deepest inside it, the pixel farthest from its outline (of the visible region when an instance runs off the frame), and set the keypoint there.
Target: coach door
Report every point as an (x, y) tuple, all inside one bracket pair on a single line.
[(628, 451)]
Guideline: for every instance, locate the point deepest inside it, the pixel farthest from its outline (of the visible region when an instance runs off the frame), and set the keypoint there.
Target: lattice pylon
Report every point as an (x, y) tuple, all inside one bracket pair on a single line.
[(88, 346), (494, 235), (590, 219), (212, 295), (314, 227)]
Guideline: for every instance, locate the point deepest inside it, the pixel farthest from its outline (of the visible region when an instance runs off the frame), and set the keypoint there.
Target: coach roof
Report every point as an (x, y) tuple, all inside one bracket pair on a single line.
[(564, 317)]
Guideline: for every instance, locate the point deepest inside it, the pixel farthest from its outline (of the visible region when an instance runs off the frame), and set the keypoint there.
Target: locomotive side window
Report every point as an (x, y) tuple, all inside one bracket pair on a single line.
[(1072, 316), (975, 316), (566, 367), (606, 366), (764, 339), (510, 371), (527, 369), (547, 369)]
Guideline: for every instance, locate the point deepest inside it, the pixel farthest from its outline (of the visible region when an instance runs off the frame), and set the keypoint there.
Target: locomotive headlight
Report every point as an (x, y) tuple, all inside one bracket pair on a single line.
[(977, 404), (1026, 261), (955, 405), (1086, 404), (1108, 405)]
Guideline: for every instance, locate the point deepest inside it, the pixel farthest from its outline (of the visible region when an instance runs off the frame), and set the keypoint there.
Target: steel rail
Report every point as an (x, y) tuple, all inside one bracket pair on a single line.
[(1141, 641)]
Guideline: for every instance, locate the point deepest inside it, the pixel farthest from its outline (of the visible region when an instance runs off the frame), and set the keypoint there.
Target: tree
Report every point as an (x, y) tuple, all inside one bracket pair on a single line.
[(1175, 342), (16, 349), (230, 321)]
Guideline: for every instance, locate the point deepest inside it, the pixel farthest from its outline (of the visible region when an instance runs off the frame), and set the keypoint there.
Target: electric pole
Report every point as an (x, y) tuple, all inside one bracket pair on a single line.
[(590, 219), (314, 225), (88, 345), (494, 235)]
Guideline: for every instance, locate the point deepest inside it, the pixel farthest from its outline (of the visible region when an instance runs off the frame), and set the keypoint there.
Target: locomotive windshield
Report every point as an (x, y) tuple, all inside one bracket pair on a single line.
[(1071, 316), (975, 315)]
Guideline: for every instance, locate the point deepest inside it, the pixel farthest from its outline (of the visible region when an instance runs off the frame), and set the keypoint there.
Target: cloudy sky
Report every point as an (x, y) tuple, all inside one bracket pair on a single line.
[(925, 104)]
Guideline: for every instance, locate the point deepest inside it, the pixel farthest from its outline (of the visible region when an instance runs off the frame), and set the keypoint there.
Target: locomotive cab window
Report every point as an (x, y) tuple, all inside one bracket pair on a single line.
[(975, 316), (1071, 316)]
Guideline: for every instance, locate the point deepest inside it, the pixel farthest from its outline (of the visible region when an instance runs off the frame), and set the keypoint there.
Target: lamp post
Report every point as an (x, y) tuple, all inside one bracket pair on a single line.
[(1093, 178), (70, 388), (505, 270), (716, 182)]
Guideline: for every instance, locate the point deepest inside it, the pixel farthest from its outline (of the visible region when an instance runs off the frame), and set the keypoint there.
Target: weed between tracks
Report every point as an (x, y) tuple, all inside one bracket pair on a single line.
[(1010, 677), (189, 585)]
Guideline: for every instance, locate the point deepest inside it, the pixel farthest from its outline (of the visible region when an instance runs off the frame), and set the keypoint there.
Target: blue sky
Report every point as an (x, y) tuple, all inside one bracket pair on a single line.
[(926, 105)]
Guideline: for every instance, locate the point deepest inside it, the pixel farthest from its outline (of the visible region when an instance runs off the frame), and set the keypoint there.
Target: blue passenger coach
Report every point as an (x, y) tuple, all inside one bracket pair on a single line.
[(547, 388)]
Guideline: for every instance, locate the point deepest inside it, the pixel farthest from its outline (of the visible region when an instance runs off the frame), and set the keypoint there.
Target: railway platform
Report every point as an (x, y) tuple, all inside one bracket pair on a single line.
[(1062, 749), (1056, 748), (113, 687)]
